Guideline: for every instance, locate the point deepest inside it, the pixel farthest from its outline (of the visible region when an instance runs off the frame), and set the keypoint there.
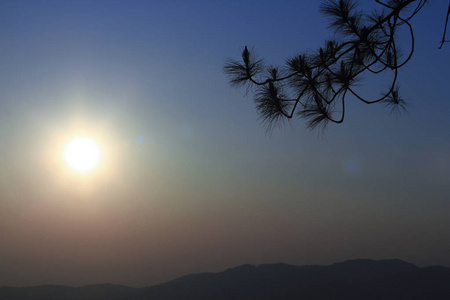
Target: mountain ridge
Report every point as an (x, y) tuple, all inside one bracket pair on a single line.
[(352, 279)]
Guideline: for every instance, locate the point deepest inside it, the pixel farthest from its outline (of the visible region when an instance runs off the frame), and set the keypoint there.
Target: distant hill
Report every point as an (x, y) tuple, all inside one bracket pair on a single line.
[(355, 279)]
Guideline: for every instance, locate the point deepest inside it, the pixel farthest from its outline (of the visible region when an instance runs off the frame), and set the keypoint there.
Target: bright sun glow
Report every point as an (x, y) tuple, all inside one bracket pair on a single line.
[(82, 154)]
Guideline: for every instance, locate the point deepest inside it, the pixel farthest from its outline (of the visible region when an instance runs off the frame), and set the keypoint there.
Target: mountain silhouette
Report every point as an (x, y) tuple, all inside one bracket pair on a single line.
[(355, 279)]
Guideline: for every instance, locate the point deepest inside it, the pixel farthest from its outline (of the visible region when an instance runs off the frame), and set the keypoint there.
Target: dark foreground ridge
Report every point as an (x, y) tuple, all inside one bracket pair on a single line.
[(355, 279)]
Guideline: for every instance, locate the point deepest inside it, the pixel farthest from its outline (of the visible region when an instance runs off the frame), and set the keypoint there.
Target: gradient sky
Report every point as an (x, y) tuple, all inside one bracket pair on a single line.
[(189, 179)]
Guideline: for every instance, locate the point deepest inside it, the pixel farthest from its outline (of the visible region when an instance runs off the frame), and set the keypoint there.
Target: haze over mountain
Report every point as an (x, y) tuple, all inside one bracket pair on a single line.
[(354, 279)]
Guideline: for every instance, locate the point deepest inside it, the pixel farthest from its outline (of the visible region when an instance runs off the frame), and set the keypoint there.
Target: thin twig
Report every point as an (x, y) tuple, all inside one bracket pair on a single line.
[(445, 28)]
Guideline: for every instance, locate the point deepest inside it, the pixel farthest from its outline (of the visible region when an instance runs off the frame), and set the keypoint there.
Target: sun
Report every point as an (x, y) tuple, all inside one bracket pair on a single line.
[(82, 154)]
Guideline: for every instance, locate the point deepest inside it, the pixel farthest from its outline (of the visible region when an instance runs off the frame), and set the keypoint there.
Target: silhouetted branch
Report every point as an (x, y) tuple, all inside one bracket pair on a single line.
[(445, 28), (314, 84)]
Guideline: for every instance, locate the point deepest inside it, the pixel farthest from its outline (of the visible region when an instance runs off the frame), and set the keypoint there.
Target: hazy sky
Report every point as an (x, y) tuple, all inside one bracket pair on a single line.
[(189, 181)]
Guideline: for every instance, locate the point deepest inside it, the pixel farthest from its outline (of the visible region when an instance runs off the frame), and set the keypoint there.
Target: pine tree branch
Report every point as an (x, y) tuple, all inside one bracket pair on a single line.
[(322, 79), (445, 28)]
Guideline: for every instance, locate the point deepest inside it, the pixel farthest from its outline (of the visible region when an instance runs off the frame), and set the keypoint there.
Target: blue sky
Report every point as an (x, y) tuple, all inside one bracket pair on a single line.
[(190, 181)]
